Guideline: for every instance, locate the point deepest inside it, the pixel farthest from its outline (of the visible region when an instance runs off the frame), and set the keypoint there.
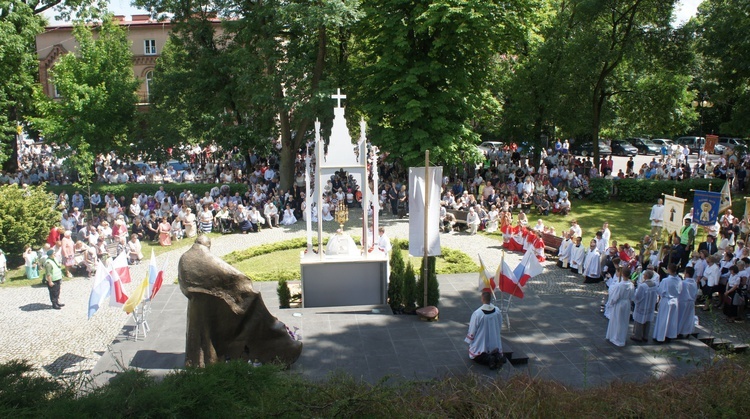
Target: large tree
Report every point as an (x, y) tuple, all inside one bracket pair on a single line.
[(426, 72), (263, 76), (97, 108), (723, 28), (18, 66)]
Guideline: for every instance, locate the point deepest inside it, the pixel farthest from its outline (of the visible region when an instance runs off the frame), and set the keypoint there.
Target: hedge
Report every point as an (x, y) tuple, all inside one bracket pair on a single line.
[(643, 190), (128, 189)]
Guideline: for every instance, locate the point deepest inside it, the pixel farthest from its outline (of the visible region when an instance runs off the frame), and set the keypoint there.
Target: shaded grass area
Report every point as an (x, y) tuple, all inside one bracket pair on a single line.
[(236, 389), (274, 261), (628, 222)]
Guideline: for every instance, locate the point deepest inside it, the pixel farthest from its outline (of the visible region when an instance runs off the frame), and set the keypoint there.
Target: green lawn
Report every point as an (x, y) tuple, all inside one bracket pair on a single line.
[(628, 222), (285, 263)]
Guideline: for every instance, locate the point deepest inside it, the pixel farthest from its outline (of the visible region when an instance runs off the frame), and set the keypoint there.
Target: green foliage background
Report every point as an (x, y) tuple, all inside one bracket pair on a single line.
[(26, 217)]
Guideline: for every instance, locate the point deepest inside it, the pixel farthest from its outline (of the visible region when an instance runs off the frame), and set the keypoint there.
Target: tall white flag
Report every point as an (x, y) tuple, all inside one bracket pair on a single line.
[(417, 191)]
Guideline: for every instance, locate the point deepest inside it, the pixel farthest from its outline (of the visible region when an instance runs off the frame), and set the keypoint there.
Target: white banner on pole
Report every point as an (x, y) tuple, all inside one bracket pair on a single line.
[(417, 188), (674, 208)]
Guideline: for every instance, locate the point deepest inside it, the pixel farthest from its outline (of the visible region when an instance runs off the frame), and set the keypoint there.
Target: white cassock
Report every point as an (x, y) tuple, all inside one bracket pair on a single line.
[(686, 310), (657, 215), (617, 330), (577, 254), (645, 302), (484, 331), (564, 253), (666, 321), (591, 267), (384, 244), (472, 220)]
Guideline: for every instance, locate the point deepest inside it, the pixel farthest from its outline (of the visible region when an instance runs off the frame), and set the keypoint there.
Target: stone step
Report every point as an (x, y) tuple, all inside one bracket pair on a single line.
[(514, 357)]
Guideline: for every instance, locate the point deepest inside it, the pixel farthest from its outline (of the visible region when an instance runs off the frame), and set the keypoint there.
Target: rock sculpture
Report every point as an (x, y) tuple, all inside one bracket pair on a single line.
[(226, 317)]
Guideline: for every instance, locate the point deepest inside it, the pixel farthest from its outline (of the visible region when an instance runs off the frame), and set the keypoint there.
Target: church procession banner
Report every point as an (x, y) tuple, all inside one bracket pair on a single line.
[(417, 189), (674, 208), (706, 208)]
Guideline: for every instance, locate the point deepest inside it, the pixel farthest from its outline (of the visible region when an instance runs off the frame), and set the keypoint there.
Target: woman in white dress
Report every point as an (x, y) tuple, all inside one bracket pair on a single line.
[(289, 217)]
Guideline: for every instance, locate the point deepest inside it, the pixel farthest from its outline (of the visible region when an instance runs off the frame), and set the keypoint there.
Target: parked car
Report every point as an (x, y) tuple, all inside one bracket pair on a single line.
[(586, 148), (730, 142), (623, 148), (644, 145), (694, 144), (488, 146)]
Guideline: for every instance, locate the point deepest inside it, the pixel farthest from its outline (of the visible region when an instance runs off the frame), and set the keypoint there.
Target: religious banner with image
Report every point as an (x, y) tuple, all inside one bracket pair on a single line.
[(674, 208), (706, 208), (418, 187), (711, 141)]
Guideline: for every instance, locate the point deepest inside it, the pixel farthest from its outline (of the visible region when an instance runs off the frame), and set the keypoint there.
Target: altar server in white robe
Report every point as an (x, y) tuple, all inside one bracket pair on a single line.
[(645, 303), (592, 270), (686, 312), (622, 293), (669, 291), (577, 253), (564, 252)]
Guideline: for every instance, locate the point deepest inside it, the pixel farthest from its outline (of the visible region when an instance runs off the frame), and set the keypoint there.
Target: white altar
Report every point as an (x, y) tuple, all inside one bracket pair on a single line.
[(344, 274)]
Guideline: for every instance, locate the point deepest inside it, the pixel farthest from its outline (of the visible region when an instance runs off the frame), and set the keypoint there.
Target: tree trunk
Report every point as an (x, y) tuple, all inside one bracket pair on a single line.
[(11, 165), (287, 156)]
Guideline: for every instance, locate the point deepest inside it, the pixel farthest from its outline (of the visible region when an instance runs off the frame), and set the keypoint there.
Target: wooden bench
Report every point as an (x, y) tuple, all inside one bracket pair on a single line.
[(552, 243), (460, 217)]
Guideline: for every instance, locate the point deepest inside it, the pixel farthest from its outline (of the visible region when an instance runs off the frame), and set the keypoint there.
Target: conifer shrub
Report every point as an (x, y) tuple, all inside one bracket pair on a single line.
[(410, 289), (285, 296), (433, 291), (396, 280)]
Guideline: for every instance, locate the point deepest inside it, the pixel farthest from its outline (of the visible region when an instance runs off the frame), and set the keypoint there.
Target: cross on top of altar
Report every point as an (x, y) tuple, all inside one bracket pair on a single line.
[(338, 96)]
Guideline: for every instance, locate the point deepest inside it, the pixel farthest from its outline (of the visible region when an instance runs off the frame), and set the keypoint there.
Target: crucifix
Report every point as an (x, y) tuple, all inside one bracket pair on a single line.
[(671, 214), (338, 96)]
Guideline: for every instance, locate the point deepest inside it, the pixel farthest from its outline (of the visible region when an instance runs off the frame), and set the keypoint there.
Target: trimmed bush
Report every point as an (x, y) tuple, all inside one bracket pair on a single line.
[(601, 190), (410, 289), (128, 189), (285, 296), (433, 289), (644, 190), (26, 217), (396, 279)]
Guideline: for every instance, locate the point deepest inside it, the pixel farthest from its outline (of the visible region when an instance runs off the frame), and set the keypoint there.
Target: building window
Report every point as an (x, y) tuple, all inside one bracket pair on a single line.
[(149, 46), (56, 92), (149, 79)]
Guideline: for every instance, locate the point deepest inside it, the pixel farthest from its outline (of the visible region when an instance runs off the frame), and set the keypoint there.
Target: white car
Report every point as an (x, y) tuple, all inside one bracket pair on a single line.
[(488, 146)]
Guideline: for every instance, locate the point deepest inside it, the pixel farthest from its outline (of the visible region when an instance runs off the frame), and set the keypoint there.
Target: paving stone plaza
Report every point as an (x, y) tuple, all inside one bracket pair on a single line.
[(558, 326)]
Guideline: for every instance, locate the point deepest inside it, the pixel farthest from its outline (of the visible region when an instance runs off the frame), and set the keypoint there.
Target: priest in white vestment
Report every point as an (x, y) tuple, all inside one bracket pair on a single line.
[(577, 253), (563, 254), (483, 337), (686, 311), (592, 269), (666, 320), (645, 303), (621, 294), (657, 218)]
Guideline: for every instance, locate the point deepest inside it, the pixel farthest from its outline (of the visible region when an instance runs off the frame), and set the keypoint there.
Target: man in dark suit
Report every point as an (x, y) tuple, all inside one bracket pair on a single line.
[(709, 245), (674, 255)]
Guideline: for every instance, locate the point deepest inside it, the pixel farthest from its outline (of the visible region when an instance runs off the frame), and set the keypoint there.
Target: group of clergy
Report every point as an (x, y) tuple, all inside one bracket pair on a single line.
[(632, 288)]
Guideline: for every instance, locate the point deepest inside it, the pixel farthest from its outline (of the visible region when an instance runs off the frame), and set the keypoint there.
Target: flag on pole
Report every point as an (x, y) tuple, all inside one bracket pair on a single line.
[(120, 265), (508, 282), (100, 290), (726, 198), (421, 206), (485, 283), (155, 277), (117, 295), (528, 268), (137, 297)]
